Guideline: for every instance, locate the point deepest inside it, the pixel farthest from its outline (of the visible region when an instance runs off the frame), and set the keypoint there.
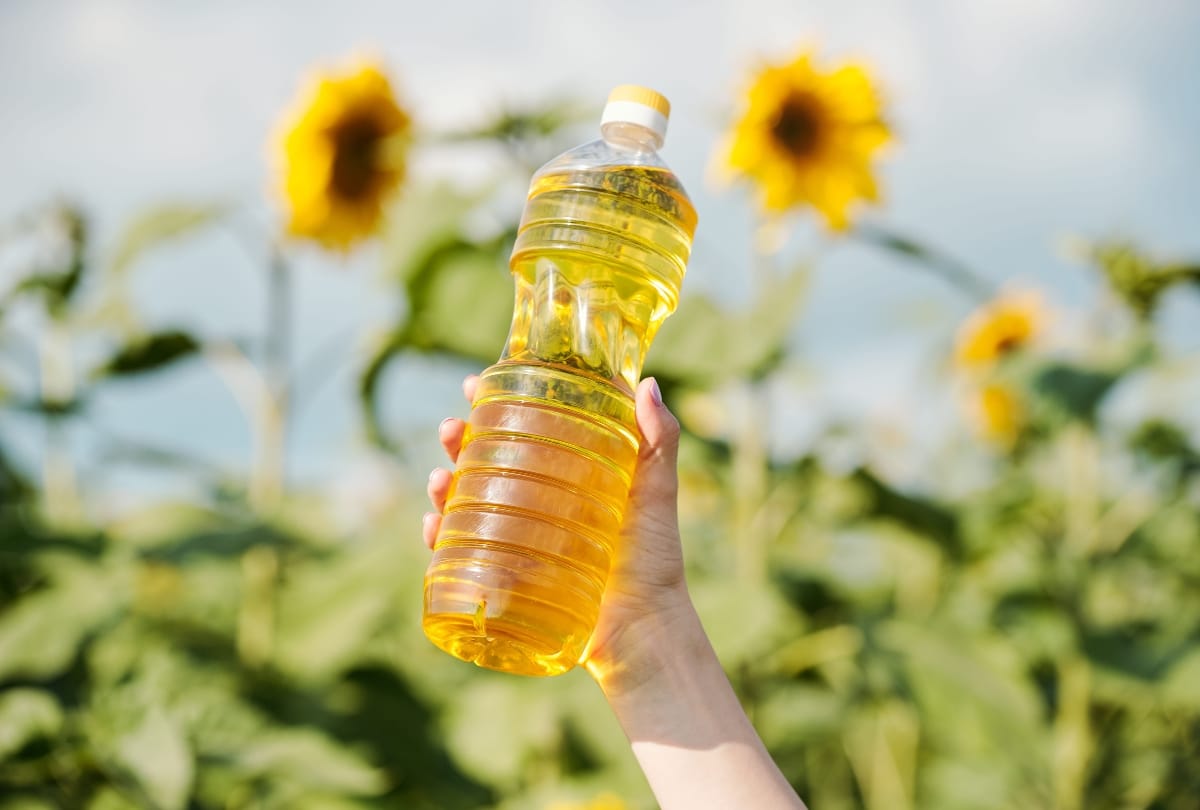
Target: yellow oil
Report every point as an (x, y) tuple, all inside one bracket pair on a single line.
[(535, 508)]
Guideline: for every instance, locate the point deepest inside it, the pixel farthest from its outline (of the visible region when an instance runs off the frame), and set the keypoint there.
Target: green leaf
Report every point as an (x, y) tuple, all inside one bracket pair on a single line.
[(744, 620), (310, 758), (369, 384), (109, 798), (49, 408), (1139, 280), (701, 344), (1181, 687), (27, 715), (1162, 441), (529, 125), (41, 633), (926, 257), (157, 754), (149, 353), (921, 515), (1074, 392), (59, 286), (798, 714), (461, 301), (328, 613), (158, 225), (13, 485), (495, 726), (422, 220), (222, 543), (163, 523), (956, 672), (1036, 625), (1131, 653), (26, 803)]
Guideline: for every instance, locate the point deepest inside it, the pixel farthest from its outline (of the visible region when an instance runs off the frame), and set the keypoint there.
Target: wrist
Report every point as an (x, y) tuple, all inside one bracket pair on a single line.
[(664, 683), (645, 658), (643, 649)]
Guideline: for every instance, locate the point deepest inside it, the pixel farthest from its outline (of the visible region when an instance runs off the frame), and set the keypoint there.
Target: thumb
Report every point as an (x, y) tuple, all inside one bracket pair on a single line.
[(656, 483)]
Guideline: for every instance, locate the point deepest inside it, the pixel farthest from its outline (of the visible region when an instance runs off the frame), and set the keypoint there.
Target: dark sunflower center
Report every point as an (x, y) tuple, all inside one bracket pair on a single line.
[(1008, 343), (797, 126), (354, 156)]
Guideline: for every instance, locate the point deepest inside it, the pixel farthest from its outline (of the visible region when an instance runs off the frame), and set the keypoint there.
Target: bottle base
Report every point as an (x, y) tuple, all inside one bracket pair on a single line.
[(502, 646)]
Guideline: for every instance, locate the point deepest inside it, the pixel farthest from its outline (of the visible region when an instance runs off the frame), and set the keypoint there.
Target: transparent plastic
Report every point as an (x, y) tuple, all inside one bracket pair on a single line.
[(534, 512)]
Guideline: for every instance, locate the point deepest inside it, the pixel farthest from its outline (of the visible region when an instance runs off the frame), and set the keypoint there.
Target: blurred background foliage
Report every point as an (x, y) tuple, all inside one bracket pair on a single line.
[(1024, 634)]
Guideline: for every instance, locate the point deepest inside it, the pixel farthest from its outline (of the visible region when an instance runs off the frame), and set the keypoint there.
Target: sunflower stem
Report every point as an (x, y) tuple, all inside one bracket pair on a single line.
[(942, 265), (268, 481), (57, 381), (749, 470)]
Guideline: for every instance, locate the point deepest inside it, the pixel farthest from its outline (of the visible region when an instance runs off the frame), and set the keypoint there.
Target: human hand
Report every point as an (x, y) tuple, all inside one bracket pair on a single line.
[(646, 598)]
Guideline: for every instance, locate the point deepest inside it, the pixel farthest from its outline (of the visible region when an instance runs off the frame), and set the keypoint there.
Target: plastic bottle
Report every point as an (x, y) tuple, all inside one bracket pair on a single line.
[(536, 504)]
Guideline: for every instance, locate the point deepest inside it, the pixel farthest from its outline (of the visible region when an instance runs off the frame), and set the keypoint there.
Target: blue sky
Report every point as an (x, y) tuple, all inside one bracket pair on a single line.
[(1020, 123)]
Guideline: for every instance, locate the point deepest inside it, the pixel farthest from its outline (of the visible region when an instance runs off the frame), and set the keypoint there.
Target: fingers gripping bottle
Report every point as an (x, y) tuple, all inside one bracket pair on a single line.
[(534, 512)]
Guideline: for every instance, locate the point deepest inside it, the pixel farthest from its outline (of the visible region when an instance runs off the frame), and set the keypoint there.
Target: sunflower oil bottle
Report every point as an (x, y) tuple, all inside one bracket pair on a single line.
[(534, 512)]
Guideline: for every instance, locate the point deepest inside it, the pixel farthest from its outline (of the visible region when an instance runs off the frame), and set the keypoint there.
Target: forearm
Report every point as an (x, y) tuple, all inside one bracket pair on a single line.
[(688, 731)]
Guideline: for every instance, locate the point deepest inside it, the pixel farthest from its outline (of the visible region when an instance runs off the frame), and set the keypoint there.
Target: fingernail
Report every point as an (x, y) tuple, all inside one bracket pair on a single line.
[(432, 473), (444, 422), (427, 517), (655, 392)]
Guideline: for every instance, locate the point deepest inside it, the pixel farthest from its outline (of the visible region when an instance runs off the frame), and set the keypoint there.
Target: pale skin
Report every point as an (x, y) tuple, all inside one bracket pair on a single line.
[(650, 655)]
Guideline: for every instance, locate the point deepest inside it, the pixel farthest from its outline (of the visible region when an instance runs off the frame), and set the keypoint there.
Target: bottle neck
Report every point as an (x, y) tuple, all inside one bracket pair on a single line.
[(627, 135)]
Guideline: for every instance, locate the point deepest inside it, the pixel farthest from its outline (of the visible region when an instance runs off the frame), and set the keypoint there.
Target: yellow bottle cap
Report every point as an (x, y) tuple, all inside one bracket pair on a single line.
[(641, 95), (633, 104)]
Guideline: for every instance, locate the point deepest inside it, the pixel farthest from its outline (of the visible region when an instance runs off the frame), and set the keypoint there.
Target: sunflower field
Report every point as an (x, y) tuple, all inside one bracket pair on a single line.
[(1014, 625)]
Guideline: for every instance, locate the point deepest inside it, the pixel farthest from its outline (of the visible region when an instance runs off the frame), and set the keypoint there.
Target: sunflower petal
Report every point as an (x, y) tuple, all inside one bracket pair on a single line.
[(355, 109)]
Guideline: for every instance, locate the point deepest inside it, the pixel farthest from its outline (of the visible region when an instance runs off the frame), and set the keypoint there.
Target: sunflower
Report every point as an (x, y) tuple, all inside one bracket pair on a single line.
[(998, 414), (807, 138), (999, 328), (341, 155)]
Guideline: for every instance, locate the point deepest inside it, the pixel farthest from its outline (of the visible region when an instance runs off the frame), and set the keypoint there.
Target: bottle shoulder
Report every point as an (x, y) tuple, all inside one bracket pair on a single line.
[(635, 173), (602, 154)]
